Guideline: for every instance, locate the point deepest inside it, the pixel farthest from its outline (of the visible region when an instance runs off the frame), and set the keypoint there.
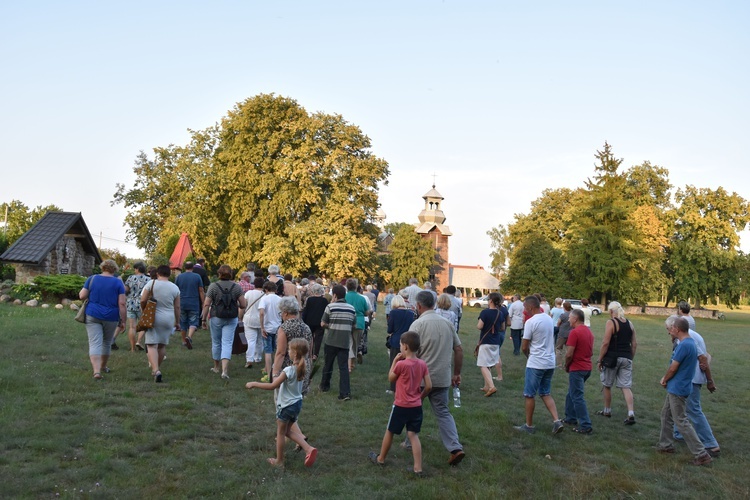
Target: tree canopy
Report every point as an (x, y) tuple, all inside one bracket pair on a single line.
[(21, 218), (271, 184), (411, 256), (620, 236)]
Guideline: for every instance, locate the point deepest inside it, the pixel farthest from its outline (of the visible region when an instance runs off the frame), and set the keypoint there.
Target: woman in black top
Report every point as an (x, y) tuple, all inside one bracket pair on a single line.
[(620, 342), (315, 305)]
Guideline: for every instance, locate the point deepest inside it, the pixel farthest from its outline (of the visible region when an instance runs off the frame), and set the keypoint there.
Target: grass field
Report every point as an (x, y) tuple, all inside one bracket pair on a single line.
[(199, 436)]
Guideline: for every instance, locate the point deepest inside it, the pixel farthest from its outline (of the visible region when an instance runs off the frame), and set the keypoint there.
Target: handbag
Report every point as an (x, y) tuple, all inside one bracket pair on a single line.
[(148, 315), (239, 345), (610, 358), (489, 332), (81, 314)]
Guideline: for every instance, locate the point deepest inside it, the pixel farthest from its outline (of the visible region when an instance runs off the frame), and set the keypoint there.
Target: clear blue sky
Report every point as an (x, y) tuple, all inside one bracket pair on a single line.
[(499, 99)]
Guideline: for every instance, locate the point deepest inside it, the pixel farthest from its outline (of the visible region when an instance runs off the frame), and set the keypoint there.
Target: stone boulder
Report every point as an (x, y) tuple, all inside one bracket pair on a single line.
[(59, 306), (74, 307), (45, 306), (5, 298), (32, 303), (17, 302), (66, 302)]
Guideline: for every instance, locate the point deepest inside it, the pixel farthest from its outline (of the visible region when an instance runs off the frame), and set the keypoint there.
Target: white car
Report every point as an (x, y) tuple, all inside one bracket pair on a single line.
[(482, 302), (576, 304)]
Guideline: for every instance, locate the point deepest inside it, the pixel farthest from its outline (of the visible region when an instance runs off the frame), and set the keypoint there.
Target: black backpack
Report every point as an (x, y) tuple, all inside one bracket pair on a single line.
[(226, 306)]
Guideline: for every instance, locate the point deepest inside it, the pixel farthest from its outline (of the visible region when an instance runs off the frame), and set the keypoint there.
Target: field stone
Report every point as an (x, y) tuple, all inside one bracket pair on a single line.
[(45, 306), (59, 306), (5, 298), (32, 303), (74, 307), (66, 302), (17, 302)]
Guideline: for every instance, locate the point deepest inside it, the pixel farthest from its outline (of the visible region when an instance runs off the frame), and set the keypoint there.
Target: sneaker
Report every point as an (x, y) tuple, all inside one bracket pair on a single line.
[(703, 459), (456, 457), (114, 346), (345, 398), (557, 427), (138, 346), (583, 431), (630, 420), (188, 342), (714, 452), (525, 428), (601, 412)]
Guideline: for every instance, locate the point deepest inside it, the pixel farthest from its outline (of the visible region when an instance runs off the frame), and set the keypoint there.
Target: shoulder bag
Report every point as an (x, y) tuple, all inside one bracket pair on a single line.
[(81, 314), (148, 315)]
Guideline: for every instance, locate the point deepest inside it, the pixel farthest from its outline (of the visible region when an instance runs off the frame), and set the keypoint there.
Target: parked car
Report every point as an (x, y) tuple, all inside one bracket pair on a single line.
[(482, 302), (576, 304)]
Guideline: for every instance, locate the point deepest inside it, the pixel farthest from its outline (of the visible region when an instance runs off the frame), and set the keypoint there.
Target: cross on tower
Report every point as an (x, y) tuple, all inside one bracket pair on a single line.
[(433, 180)]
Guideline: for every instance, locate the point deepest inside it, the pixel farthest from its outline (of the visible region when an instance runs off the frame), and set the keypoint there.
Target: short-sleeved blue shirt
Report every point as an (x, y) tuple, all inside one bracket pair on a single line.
[(104, 296), (490, 318), (189, 285), (686, 354)]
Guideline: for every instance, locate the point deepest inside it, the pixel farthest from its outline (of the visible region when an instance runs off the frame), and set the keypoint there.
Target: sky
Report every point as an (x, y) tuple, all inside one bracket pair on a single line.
[(498, 100)]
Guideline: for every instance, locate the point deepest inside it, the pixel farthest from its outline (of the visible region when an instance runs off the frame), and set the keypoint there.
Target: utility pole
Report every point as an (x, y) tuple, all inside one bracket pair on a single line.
[(100, 240), (6, 221)]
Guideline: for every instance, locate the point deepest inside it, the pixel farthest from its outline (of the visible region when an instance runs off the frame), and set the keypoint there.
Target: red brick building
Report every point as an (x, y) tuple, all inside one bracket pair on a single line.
[(432, 228)]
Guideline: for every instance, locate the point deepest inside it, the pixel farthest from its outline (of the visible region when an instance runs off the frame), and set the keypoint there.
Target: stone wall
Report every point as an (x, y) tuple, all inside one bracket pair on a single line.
[(668, 311)]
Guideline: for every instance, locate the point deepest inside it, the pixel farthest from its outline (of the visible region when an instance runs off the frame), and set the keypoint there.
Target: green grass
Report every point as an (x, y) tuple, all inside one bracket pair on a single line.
[(198, 436)]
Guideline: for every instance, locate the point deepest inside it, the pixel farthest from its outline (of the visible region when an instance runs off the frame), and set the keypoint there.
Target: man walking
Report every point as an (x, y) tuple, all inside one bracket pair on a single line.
[(515, 312), (191, 300), (580, 344), (539, 348), (439, 343), (362, 309), (679, 381), (339, 318), (412, 290)]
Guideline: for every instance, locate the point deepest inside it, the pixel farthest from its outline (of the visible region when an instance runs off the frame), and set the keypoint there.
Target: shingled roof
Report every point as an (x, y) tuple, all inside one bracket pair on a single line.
[(37, 242)]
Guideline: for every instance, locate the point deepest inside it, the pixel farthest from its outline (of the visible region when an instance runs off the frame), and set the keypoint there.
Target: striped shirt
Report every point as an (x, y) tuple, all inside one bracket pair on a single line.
[(340, 318)]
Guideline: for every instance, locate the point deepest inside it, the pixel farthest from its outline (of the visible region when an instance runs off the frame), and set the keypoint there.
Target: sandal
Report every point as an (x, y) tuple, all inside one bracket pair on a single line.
[(310, 457), (98, 376), (490, 392), (601, 412)]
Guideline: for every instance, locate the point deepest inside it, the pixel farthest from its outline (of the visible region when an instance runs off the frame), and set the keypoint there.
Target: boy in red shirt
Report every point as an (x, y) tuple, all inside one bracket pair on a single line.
[(578, 365), (409, 373)]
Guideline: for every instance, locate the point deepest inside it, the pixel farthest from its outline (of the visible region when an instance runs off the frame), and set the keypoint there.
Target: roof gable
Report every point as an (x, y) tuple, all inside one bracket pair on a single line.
[(34, 245)]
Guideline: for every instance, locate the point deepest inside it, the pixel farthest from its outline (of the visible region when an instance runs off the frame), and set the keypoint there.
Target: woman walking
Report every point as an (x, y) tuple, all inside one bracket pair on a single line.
[(619, 345), (167, 319), (105, 313), (491, 326), (224, 299)]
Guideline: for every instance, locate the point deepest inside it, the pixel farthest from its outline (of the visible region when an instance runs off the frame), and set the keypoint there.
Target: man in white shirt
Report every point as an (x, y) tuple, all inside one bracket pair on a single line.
[(270, 321), (515, 313), (683, 310), (539, 348), (412, 290)]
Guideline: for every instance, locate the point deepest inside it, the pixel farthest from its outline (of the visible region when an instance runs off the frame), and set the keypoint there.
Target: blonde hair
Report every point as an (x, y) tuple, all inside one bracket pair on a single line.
[(444, 301), (109, 266), (617, 308), (397, 302), (298, 348)]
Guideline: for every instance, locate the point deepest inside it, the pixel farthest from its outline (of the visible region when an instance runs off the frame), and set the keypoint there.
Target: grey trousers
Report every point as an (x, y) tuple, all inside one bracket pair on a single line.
[(674, 413), (438, 397)]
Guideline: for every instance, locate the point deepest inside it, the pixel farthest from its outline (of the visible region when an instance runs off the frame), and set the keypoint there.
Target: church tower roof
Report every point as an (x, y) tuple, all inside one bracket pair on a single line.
[(432, 215)]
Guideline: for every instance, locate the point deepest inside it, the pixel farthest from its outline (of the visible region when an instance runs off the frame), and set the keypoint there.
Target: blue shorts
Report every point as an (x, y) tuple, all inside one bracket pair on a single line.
[(289, 414), (401, 417), (537, 381), (269, 343), (134, 314), (189, 319)]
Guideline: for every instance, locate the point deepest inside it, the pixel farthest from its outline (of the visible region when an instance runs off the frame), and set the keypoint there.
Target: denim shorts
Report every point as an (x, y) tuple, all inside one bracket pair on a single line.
[(289, 413), (189, 319), (134, 314), (537, 381), (269, 343)]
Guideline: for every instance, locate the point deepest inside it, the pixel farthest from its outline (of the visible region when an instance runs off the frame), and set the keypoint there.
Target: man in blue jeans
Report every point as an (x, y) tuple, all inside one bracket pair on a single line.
[(192, 296), (539, 348), (578, 365)]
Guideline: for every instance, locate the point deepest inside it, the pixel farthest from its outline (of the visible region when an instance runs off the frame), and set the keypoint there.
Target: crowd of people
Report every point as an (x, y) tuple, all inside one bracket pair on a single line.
[(289, 324)]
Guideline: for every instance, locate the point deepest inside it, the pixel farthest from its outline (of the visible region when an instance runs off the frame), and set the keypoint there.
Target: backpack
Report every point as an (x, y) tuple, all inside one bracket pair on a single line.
[(279, 286), (226, 305)]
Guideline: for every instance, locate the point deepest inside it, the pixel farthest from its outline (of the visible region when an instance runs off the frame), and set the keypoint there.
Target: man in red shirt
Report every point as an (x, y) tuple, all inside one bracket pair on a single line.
[(578, 365)]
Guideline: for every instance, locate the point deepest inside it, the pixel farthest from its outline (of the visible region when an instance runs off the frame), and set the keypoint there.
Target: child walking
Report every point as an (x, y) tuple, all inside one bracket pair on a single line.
[(409, 373), (289, 403)]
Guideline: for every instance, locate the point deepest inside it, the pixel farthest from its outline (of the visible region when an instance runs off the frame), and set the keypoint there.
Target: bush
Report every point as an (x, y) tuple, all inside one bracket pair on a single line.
[(25, 292), (60, 286)]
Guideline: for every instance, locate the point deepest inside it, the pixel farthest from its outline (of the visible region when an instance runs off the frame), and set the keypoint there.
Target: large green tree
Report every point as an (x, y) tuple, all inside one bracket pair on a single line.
[(537, 266), (704, 260), (21, 218), (270, 183), (411, 257)]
